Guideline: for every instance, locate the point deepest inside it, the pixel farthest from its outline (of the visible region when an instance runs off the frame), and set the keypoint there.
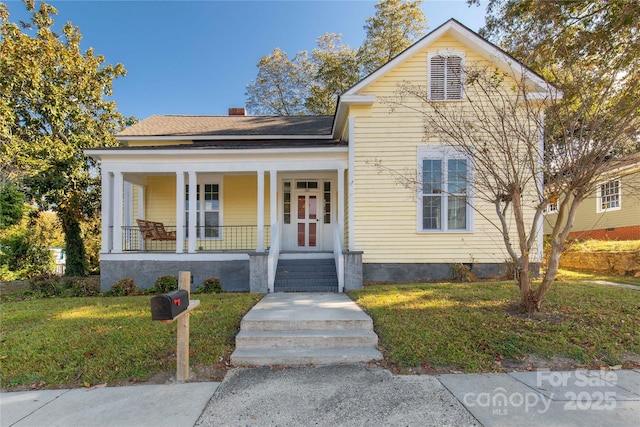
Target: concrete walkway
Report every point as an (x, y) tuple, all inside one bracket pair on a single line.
[(343, 395), (618, 285), (141, 405), (296, 329)]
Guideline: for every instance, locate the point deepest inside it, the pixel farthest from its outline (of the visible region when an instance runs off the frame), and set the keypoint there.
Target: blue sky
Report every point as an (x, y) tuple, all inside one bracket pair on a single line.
[(196, 57)]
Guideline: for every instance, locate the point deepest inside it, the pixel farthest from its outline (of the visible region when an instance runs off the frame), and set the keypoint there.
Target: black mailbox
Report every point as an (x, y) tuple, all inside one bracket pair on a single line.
[(168, 306)]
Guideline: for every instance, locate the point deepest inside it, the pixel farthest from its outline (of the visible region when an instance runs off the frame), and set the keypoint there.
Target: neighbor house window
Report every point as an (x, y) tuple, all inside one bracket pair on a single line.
[(207, 211), (444, 197), (445, 76), (609, 196)]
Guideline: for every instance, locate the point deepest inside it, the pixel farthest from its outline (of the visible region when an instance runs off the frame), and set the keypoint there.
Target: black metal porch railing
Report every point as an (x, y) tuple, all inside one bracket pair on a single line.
[(227, 238)]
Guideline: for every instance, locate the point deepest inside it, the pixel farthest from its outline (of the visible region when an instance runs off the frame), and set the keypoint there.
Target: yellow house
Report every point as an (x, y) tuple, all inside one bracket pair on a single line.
[(297, 203), (612, 210)]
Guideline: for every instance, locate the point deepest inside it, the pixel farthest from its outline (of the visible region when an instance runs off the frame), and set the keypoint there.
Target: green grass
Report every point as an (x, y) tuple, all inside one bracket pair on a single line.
[(474, 327), (71, 342)]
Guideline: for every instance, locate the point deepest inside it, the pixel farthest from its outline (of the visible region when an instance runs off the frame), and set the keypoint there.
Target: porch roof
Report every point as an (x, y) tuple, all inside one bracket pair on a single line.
[(231, 144), (201, 127)]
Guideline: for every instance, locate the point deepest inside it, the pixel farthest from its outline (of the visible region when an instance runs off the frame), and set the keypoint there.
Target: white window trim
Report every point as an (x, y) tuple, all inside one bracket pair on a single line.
[(444, 153), (201, 183), (445, 53), (552, 208), (599, 208)]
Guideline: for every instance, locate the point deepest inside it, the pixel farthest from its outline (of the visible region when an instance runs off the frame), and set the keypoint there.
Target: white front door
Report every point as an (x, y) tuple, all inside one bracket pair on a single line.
[(308, 220)]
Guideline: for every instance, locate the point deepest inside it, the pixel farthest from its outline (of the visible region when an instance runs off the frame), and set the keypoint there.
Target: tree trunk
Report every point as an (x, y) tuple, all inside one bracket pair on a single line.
[(76, 262)]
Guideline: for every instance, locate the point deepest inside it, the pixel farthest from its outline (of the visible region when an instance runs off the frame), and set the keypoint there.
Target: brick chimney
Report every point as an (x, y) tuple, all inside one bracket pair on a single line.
[(237, 111)]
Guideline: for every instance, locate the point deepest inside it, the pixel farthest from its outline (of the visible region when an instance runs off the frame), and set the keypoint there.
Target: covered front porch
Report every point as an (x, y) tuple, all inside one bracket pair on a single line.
[(221, 213)]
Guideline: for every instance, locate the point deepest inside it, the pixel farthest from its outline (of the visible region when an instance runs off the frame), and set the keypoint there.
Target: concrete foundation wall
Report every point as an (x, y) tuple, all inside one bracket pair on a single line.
[(233, 275), (401, 272), (259, 272), (352, 270)]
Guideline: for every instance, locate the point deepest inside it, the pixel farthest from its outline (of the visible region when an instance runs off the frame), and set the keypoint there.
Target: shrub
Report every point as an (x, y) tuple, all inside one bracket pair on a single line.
[(210, 285), (24, 252), (462, 273), (165, 284), (46, 285), (82, 288), (124, 287)]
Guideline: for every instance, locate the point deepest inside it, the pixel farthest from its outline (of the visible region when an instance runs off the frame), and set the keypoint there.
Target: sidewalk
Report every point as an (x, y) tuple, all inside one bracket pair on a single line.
[(354, 395)]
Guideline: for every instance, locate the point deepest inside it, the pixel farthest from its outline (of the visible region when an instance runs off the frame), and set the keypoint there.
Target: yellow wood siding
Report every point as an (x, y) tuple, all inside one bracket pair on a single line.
[(160, 199), (240, 200), (386, 217)]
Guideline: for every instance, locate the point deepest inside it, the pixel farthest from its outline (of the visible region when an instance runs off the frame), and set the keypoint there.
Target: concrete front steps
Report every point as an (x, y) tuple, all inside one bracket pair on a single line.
[(305, 328)]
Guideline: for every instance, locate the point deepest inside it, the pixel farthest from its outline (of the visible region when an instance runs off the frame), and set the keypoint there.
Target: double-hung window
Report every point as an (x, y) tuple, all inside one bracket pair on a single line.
[(446, 76), (207, 211), (444, 197), (608, 196)]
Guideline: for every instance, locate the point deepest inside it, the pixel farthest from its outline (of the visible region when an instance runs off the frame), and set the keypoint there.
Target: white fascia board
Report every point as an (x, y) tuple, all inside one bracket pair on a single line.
[(550, 93), (343, 107), (351, 99), (222, 161), (219, 137), (142, 154), (204, 166)]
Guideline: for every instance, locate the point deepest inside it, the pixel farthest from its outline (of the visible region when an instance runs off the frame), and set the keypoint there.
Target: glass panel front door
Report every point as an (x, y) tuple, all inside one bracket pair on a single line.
[(307, 220)]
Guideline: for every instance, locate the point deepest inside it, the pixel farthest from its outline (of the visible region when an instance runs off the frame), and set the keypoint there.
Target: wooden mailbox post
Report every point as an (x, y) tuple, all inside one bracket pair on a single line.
[(182, 351)]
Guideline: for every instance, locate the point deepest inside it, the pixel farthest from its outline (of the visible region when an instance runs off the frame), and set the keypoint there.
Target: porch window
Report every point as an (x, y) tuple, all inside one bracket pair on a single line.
[(443, 202), (327, 202), (286, 194), (207, 211), (445, 76), (609, 196)]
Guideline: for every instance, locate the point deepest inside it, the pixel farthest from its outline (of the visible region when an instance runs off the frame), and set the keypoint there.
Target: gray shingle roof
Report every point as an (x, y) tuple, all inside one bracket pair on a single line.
[(171, 125)]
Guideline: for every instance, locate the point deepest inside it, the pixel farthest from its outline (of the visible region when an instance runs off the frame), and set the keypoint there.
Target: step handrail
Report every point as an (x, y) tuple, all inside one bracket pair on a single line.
[(274, 254), (338, 255)]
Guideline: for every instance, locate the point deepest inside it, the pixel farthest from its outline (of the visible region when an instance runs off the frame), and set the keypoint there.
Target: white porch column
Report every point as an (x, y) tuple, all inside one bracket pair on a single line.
[(340, 217), (273, 196), (141, 214), (179, 212), (107, 210), (141, 205), (118, 201), (350, 181), (193, 194), (260, 247)]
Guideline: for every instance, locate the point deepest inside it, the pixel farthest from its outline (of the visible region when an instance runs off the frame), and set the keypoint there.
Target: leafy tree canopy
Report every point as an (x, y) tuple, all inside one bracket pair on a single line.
[(391, 30), (311, 85), (52, 106), (11, 206), (577, 45)]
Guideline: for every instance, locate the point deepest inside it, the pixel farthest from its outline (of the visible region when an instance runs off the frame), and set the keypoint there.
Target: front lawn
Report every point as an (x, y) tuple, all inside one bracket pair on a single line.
[(475, 327), (74, 342)]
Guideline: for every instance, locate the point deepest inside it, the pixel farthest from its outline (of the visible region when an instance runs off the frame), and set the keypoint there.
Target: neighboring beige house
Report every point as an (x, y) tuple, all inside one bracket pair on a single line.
[(253, 200), (612, 211)]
